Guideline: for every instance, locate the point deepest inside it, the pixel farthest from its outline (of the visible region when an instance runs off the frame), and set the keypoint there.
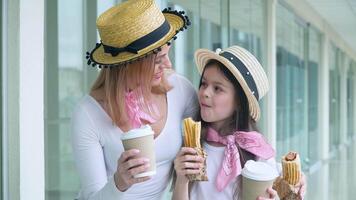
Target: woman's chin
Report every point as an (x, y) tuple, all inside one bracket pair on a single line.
[(156, 82)]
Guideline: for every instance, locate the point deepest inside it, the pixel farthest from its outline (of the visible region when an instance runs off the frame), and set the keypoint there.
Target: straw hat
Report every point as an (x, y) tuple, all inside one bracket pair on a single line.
[(246, 69), (132, 30)]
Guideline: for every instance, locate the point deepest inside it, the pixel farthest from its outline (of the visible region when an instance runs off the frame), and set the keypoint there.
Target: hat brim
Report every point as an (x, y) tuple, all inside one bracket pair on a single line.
[(203, 56), (175, 21)]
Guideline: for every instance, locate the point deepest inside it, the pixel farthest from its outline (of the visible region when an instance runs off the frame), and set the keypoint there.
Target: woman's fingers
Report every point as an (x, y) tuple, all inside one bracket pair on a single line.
[(141, 179), (135, 162), (126, 155), (136, 170)]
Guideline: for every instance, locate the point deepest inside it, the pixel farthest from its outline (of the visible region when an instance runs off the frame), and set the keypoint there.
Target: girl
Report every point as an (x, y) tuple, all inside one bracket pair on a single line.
[(232, 82)]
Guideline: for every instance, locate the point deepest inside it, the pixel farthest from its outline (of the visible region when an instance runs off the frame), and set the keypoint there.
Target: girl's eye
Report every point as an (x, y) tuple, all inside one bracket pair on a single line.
[(203, 84), (217, 89)]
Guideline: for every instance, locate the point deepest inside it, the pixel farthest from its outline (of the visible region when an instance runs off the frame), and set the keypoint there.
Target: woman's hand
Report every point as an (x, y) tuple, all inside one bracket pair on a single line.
[(127, 167), (187, 162), (272, 194), (302, 186)]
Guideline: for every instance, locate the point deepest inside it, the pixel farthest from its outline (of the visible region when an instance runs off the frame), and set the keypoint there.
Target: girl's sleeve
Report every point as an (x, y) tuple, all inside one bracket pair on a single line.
[(89, 159)]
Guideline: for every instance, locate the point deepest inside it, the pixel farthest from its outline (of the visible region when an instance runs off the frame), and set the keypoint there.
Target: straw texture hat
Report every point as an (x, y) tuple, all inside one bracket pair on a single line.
[(246, 69), (133, 30)]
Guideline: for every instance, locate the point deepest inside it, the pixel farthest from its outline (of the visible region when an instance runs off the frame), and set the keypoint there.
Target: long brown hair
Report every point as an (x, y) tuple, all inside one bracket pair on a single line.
[(116, 81), (239, 121)]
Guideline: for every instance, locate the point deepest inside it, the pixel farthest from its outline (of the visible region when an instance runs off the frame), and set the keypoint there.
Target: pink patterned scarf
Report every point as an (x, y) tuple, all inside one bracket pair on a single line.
[(133, 99), (252, 142)]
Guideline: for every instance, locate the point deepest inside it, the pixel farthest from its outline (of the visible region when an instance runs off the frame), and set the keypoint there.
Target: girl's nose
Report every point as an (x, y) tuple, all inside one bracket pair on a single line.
[(205, 92)]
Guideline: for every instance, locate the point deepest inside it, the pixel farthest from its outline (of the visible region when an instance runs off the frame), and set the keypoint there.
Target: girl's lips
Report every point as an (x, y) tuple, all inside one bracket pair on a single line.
[(204, 105)]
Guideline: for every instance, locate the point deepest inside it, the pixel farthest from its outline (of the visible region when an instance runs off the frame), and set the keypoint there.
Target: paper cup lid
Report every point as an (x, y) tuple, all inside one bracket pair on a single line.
[(259, 171), (138, 132)]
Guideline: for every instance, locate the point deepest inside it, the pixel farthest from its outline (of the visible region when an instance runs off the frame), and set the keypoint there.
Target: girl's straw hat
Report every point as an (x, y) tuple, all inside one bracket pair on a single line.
[(246, 69), (132, 30)]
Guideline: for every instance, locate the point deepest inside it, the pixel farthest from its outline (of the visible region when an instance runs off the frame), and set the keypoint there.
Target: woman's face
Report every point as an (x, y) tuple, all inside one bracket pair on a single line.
[(216, 97), (162, 62)]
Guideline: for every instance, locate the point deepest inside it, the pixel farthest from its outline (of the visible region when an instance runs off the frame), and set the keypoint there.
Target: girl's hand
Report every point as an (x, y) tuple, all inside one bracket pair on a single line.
[(187, 162), (272, 194), (127, 167), (302, 186)]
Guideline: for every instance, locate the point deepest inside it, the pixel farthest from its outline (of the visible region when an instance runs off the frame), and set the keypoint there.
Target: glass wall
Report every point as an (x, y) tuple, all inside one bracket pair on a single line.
[(334, 93), (351, 84), (248, 29), (68, 78), (292, 84), (313, 65)]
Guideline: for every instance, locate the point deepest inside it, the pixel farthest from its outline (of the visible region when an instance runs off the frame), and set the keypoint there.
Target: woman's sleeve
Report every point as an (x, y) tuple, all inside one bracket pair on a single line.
[(89, 159), (191, 100)]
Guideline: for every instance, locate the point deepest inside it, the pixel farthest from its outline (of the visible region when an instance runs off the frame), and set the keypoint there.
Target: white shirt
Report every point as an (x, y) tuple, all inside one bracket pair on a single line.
[(97, 145), (207, 189)]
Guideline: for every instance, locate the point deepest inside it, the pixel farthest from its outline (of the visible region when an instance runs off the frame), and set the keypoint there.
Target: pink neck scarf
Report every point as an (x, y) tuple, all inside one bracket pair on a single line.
[(135, 114), (252, 142)]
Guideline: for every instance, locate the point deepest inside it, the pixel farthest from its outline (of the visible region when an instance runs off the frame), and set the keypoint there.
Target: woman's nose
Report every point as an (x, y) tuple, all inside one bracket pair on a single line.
[(167, 62)]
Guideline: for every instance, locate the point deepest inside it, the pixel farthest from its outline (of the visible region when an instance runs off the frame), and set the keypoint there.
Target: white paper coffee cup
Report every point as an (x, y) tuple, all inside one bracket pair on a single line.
[(143, 140), (257, 176)]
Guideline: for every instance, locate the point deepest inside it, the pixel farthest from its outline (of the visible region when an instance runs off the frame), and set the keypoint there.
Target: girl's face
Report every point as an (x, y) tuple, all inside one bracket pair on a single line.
[(162, 62), (216, 97)]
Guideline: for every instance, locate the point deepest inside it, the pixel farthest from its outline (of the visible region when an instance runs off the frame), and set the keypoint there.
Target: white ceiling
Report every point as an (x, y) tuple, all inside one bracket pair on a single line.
[(340, 15)]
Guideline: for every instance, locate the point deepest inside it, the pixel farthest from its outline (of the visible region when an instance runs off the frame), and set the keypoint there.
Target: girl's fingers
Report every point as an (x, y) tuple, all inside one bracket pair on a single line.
[(272, 193), (191, 171), (187, 150), (190, 165), (190, 158)]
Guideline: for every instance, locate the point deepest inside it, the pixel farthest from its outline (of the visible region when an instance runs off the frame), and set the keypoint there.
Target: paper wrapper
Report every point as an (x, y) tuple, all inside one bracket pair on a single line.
[(192, 133), (285, 190), (202, 174)]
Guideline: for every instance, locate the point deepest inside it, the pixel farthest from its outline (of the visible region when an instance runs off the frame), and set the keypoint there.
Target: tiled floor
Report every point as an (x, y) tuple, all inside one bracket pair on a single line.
[(336, 179)]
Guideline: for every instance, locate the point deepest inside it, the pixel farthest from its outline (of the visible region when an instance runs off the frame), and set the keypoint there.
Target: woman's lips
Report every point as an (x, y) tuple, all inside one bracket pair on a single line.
[(158, 75)]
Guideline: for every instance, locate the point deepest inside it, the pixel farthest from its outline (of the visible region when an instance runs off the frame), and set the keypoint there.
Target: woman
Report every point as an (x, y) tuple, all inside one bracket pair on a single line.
[(132, 89)]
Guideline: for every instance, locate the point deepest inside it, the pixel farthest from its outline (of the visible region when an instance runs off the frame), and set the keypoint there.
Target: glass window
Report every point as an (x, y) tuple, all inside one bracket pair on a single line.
[(248, 29), (292, 93), (350, 100), (314, 57), (68, 78), (64, 86), (334, 93), (205, 32)]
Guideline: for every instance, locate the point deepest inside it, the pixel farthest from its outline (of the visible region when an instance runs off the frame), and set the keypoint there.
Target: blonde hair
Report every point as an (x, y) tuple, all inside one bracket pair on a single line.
[(117, 81)]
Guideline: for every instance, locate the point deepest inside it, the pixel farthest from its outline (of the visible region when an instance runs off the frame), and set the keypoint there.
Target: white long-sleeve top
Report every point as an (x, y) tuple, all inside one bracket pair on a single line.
[(97, 146)]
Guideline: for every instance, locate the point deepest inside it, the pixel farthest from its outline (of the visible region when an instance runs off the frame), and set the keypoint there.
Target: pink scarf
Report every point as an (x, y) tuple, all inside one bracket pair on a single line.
[(252, 142), (135, 114)]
